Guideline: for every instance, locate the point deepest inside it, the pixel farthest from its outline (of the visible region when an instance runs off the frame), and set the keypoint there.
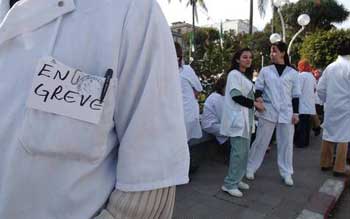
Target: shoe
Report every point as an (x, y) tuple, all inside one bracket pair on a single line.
[(326, 168), (243, 185), (233, 192), (249, 176), (288, 181), (339, 174)]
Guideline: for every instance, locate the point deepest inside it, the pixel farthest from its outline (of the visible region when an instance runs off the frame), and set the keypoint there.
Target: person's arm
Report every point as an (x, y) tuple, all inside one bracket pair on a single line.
[(238, 97), (149, 117), (260, 85), (296, 92), (322, 86)]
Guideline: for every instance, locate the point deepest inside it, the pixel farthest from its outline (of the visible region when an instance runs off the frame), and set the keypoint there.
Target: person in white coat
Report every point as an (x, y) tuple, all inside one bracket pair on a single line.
[(333, 90), (307, 107), (91, 112), (279, 88), (238, 119), (191, 87), (212, 111)]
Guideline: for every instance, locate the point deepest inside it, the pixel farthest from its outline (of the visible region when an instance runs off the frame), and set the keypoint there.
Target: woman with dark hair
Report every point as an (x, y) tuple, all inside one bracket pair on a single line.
[(238, 119), (278, 87)]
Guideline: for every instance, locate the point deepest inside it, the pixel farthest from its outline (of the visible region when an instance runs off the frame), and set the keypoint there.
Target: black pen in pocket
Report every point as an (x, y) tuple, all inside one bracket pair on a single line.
[(108, 77)]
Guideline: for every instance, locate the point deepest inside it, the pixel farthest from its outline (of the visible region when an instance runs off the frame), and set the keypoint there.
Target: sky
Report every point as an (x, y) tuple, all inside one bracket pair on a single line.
[(219, 10)]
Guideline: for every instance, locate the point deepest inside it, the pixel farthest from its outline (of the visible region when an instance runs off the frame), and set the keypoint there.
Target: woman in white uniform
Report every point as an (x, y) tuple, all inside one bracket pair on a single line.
[(307, 107), (278, 86), (190, 87), (238, 119), (333, 90), (212, 111), (91, 112)]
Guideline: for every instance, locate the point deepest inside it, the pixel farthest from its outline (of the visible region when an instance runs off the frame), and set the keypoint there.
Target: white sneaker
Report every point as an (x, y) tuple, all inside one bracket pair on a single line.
[(288, 181), (233, 192), (249, 176), (243, 185)]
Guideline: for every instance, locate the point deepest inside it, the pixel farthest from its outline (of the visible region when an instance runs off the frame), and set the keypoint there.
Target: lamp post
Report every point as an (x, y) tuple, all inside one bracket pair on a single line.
[(303, 21), (278, 4), (275, 37)]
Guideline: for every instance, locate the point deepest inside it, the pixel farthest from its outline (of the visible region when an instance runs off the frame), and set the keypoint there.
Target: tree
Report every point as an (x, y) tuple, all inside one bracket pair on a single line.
[(322, 12), (194, 4), (321, 48)]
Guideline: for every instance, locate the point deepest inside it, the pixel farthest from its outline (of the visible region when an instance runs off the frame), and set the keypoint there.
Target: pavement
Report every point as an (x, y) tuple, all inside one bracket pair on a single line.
[(268, 197)]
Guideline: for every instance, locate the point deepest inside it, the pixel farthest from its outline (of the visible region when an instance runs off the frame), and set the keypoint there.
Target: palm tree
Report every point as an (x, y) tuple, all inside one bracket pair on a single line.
[(193, 4)]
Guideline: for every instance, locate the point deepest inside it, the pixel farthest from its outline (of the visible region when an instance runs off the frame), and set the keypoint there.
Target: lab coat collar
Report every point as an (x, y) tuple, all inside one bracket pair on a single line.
[(345, 58), (28, 15)]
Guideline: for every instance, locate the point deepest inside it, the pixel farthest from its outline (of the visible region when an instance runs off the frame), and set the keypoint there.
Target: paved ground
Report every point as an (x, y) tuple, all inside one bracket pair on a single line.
[(268, 198), (342, 210)]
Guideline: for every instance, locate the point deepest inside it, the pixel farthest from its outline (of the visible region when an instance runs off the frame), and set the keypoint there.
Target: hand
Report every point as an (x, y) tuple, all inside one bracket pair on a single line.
[(259, 106), (295, 119), (259, 99)]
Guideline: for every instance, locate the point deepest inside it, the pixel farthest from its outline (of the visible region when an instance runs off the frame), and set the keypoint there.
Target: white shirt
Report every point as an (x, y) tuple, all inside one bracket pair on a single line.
[(235, 118), (278, 92), (334, 89), (308, 97), (212, 115), (189, 84), (53, 166)]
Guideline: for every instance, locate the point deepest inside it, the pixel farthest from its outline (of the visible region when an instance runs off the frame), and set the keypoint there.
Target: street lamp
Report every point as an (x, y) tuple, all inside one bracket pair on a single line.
[(303, 21), (275, 37), (278, 4)]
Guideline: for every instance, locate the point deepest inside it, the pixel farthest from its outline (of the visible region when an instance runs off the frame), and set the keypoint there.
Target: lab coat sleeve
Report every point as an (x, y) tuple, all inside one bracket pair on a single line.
[(260, 81), (296, 89), (195, 83), (322, 86), (149, 118)]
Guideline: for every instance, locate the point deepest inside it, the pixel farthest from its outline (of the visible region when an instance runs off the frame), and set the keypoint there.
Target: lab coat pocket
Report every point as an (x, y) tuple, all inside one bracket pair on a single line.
[(61, 137)]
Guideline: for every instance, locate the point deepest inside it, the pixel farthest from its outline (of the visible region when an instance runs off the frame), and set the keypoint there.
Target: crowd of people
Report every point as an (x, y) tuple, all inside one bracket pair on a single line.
[(285, 101)]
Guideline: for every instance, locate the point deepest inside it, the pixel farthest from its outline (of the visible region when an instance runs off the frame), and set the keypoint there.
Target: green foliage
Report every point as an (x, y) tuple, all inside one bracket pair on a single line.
[(321, 47), (322, 15)]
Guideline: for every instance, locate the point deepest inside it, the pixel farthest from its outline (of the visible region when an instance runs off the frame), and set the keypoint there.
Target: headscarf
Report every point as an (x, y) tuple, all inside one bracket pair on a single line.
[(304, 66)]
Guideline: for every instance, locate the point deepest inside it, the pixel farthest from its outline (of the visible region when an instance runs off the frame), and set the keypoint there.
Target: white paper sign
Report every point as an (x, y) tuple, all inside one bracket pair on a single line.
[(65, 91)]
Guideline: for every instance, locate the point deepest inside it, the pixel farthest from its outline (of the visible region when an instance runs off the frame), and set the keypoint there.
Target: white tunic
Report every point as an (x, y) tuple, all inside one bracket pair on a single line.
[(212, 115), (278, 92), (308, 96), (53, 166), (189, 84), (334, 89), (235, 118)]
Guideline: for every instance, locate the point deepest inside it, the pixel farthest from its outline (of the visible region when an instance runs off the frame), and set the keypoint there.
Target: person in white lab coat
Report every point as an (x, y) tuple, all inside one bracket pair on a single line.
[(212, 111), (91, 112), (238, 119), (333, 90), (279, 88), (307, 107), (190, 86)]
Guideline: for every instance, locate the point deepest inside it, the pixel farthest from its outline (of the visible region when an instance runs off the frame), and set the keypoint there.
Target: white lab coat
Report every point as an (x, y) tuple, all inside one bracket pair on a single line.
[(333, 89), (308, 97), (278, 92), (212, 115), (53, 166), (189, 84), (235, 118)]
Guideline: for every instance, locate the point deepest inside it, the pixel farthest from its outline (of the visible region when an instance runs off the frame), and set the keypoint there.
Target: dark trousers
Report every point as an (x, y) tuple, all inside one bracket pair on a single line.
[(302, 131)]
